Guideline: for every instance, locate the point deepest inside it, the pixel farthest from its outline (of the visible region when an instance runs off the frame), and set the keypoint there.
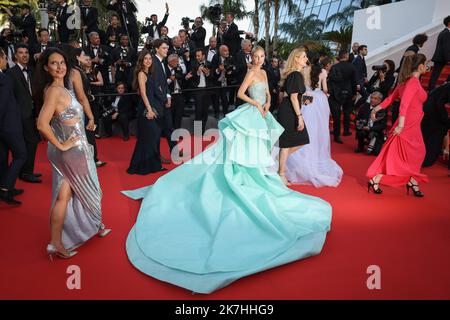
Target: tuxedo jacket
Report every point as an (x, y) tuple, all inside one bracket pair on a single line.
[(90, 20), (442, 53), (10, 119), (160, 78), (342, 77), (241, 65), (21, 91), (231, 39), (149, 28), (129, 14), (28, 25), (195, 80), (215, 63), (198, 37), (360, 69), (364, 114)]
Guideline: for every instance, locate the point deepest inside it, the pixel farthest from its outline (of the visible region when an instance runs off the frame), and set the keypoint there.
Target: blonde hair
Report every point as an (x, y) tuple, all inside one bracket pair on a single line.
[(290, 63), (256, 49)]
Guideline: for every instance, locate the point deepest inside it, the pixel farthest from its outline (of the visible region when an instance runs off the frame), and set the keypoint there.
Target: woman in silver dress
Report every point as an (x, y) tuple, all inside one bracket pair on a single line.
[(76, 194)]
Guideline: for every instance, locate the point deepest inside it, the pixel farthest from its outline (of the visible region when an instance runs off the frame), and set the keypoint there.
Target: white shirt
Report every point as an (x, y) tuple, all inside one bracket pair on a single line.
[(115, 104), (10, 55), (202, 82), (155, 32), (211, 54)]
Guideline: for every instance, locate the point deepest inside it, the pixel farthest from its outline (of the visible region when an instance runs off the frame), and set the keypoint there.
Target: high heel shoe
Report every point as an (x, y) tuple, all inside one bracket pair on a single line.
[(284, 179), (52, 250), (371, 185), (103, 232), (417, 193)]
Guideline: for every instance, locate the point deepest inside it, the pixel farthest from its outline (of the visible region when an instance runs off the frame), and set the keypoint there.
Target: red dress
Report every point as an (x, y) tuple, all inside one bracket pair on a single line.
[(402, 155)]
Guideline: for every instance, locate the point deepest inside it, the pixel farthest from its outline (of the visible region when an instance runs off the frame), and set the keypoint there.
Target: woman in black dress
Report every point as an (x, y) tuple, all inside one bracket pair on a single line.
[(146, 158), (295, 133)]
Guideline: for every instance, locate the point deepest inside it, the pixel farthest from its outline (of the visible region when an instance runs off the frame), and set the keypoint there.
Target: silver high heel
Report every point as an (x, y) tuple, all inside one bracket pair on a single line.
[(103, 232), (52, 250)]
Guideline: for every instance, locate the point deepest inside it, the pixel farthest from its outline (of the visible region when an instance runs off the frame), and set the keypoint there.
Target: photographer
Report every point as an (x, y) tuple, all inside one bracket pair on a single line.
[(201, 76), (43, 43), (26, 23), (63, 13), (154, 28), (383, 79), (243, 60), (7, 44), (89, 18), (224, 71), (114, 31), (176, 81), (211, 49), (100, 55), (186, 43), (123, 58), (126, 9), (183, 54), (198, 33), (368, 132), (230, 35), (121, 109)]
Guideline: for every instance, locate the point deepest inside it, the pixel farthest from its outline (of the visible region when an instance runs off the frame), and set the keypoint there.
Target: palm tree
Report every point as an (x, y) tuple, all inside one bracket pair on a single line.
[(256, 18), (291, 6), (344, 17), (267, 24), (342, 38), (236, 7), (301, 29)]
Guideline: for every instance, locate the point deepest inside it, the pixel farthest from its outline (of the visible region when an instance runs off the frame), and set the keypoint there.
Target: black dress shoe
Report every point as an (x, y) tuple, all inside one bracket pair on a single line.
[(338, 140), (37, 175), (16, 192), (358, 150), (30, 178), (346, 134), (126, 138), (7, 196)]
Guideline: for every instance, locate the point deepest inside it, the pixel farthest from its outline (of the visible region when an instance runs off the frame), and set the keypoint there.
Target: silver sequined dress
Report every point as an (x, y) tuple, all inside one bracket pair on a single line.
[(76, 166)]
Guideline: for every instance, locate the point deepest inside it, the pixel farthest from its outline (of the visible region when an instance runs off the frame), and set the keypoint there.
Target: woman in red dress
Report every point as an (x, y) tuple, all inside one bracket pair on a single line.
[(402, 155)]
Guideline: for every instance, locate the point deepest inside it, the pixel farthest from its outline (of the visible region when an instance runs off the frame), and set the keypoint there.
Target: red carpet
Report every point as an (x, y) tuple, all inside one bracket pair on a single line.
[(407, 237)]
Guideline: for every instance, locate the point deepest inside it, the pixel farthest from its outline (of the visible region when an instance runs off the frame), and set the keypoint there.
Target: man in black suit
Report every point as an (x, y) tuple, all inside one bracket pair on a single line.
[(243, 63), (43, 43), (354, 52), (26, 22), (211, 49), (124, 59), (160, 77), (126, 9), (198, 33), (123, 110), (230, 35), (7, 44), (361, 76), (176, 81), (418, 42), (21, 76), (342, 89), (274, 77), (369, 132), (100, 55), (154, 29), (89, 18), (11, 138), (224, 69), (186, 43), (201, 76), (63, 14), (441, 55)]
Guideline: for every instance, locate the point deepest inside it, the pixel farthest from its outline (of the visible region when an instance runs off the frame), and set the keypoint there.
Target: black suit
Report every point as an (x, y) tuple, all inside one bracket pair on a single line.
[(198, 37), (150, 29), (38, 48), (274, 77), (231, 39), (203, 98), (126, 11), (11, 137), (441, 57), (376, 130), (229, 79), (28, 25), (124, 73), (159, 76), (104, 55), (342, 87), (361, 76), (435, 123), (62, 16), (89, 18), (126, 110), (178, 103), (25, 105)]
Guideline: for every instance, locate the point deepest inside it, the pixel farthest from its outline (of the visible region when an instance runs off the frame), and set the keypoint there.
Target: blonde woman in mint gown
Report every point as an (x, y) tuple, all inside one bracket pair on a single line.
[(223, 215)]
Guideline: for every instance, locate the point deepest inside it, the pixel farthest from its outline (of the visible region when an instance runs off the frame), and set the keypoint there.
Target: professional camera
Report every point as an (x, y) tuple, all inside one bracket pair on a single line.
[(185, 22), (381, 68), (229, 67), (215, 12), (361, 124)]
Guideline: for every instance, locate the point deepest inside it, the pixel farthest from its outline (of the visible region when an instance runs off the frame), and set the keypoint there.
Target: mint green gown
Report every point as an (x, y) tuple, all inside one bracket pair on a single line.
[(222, 215)]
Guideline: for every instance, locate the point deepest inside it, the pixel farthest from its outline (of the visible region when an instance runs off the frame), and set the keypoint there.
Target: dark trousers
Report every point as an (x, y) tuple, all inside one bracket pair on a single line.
[(437, 69), (203, 100), (166, 124), (273, 102), (222, 95), (9, 172), (363, 135), (336, 109), (124, 121), (178, 106), (30, 136), (364, 95)]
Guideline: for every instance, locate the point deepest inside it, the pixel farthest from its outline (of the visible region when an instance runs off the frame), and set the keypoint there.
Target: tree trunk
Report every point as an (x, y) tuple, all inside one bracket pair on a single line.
[(267, 26), (256, 19), (275, 26)]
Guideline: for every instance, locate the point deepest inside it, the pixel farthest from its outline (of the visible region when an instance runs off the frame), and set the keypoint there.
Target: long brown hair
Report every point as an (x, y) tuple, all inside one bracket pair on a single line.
[(140, 67), (410, 64)]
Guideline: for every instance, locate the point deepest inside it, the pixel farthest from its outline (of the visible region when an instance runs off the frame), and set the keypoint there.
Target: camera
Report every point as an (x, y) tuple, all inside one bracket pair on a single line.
[(381, 68), (361, 124), (108, 112), (185, 22), (215, 12), (229, 67)]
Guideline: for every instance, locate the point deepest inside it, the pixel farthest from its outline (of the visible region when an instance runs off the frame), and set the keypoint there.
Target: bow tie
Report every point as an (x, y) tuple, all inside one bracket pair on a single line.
[(94, 48), (25, 70)]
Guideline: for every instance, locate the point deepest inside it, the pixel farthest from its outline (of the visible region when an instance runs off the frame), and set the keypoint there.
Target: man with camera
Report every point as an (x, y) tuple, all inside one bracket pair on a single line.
[(369, 132), (198, 33), (114, 31), (176, 81), (342, 89), (7, 44), (211, 49), (100, 55), (183, 54), (126, 9), (186, 43), (89, 18), (152, 27), (124, 58), (230, 35), (25, 22), (201, 76), (224, 71), (43, 43), (121, 109)]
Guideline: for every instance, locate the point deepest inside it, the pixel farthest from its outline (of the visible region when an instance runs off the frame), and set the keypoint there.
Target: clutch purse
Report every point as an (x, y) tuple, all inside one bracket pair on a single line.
[(154, 111), (304, 98)]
